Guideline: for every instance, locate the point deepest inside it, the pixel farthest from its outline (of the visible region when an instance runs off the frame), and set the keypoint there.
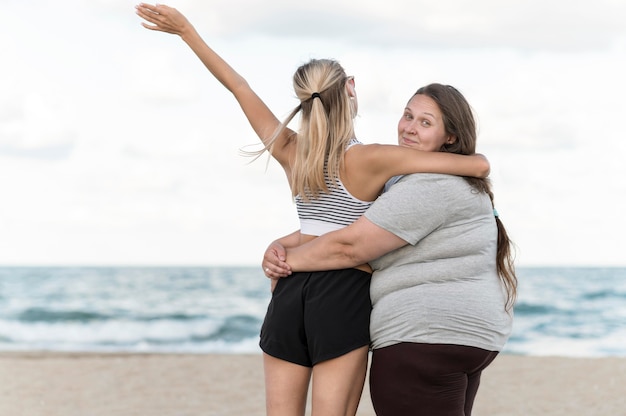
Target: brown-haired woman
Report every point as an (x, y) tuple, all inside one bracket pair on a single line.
[(443, 283), (334, 179)]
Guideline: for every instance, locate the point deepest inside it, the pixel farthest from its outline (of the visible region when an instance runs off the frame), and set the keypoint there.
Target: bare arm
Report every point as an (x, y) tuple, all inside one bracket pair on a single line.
[(169, 20), (349, 247), (400, 160), (369, 167)]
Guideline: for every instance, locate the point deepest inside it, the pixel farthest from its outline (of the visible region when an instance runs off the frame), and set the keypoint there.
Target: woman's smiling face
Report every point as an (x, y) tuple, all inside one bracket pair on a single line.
[(421, 126)]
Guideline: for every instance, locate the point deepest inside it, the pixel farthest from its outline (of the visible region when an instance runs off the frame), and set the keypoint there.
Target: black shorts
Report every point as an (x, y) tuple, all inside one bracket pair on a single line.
[(314, 317)]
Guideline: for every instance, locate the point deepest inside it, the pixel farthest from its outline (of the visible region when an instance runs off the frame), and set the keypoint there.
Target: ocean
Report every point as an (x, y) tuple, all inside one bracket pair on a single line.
[(579, 312)]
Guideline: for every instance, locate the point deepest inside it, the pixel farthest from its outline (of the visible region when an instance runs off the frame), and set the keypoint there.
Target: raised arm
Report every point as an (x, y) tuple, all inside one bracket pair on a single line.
[(169, 20)]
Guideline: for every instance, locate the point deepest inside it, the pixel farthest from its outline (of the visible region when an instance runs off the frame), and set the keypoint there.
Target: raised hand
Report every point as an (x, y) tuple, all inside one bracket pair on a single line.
[(163, 18)]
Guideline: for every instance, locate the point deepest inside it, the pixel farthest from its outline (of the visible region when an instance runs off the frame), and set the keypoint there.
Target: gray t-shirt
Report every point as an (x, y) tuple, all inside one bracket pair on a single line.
[(442, 288)]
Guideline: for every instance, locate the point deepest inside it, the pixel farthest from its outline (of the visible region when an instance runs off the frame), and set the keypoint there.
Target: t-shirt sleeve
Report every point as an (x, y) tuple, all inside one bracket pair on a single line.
[(412, 208)]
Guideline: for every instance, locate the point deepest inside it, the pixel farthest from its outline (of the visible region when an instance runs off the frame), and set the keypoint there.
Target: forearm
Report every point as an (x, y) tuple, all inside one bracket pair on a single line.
[(167, 19), (392, 160), (258, 114), (327, 252), (220, 69), (359, 243), (455, 164)]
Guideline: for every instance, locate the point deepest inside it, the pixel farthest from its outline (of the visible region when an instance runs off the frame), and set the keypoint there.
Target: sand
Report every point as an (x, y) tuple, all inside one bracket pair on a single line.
[(85, 384)]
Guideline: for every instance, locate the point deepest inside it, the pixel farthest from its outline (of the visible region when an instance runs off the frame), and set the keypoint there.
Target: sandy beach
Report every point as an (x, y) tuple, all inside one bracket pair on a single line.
[(87, 384)]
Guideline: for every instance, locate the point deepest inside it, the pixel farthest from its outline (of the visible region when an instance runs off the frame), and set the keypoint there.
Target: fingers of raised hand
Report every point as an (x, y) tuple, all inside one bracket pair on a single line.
[(157, 15)]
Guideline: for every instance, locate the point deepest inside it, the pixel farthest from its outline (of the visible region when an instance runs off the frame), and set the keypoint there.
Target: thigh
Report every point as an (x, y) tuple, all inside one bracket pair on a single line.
[(286, 387), (338, 384), (425, 379), (336, 313), (473, 380)]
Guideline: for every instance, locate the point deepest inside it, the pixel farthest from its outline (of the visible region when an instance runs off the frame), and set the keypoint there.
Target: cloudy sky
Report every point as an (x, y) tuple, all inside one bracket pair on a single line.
[(118, 147)]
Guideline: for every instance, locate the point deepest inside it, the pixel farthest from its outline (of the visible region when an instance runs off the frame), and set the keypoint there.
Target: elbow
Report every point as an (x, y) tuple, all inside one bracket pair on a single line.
[(352, 257), (484, 169)]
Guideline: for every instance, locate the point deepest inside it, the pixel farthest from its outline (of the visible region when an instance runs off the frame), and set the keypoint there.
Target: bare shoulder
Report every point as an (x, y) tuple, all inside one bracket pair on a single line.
[(365, 150), (373, 153), (365, 170)]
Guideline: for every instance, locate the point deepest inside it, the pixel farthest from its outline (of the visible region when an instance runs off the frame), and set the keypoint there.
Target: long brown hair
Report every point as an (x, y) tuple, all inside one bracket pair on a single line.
[(459, 121)]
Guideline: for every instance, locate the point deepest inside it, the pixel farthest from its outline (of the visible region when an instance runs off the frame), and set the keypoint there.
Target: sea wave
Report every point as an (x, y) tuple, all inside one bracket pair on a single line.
[(560, 311)]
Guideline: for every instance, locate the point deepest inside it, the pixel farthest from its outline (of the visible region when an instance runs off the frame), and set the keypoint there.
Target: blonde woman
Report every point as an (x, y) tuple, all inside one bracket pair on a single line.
[(317, 324), (444, 281)]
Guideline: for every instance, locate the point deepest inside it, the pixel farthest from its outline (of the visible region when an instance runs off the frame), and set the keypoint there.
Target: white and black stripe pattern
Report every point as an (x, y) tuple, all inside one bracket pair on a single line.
[(332, 210), (337, 206)]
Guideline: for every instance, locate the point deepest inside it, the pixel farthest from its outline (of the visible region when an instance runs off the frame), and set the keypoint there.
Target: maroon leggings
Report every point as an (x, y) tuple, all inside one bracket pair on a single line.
[(426, 379)]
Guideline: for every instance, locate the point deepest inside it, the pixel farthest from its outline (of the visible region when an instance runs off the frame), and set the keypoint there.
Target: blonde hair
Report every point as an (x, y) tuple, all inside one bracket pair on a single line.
[(326, 126)]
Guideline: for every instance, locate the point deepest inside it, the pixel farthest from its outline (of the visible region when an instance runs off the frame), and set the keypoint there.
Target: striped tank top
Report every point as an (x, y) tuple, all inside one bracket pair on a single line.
[(330, 211)]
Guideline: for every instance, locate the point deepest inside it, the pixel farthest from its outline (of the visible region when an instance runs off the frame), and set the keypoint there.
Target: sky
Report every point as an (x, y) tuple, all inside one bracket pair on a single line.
[(117, 147)]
